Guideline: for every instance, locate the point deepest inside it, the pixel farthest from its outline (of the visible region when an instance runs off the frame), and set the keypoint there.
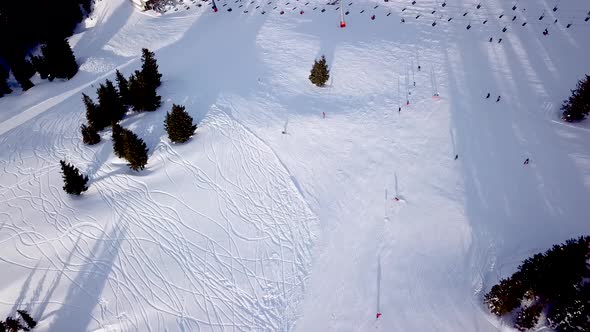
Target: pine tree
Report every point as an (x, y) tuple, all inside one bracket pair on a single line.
[(40, 66), (142, 96), (4, 89), (179, 124), (74, 182), (119, 136), (14, 325), (29, 321), (577, 107), (86, 5), (89, 135), (96, 118), (149, 69), (110, 104), (319, 72), (135, 151), (123, 87), (60, 59), (505, 297), (23, 70), (528, 317)]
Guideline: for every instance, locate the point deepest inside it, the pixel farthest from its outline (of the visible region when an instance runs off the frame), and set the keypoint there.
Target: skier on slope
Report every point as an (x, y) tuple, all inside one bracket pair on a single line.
[(526, 161), (497, 100), (488, 96)]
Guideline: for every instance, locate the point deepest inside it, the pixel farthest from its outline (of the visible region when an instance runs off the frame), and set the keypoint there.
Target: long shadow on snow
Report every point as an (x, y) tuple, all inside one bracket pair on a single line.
[(504, 199), (86, 289), (210, 69)]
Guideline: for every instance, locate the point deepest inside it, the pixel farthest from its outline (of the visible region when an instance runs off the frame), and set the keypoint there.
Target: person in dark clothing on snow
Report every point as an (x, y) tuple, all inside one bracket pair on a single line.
[(499, 40), (456, 156), (419, 68), (497, 100), (491, 39), (526, 161), (488, 96)]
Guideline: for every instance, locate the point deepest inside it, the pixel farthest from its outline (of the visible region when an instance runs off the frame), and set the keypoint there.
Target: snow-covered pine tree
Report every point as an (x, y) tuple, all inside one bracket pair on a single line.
[(577, 107), (179, 124), (319, 72), (123, 87), (74, 182), (89, 135), (110, 103), (29, 321), (135, 151), (60, 59), (149, 69)]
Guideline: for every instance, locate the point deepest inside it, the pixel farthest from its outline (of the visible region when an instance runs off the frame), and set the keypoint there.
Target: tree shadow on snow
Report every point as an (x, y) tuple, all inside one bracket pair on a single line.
[(86, 289)]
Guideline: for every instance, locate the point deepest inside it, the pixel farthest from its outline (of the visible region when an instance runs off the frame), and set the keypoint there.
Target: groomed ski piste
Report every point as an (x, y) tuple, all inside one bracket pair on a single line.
[(244, 228)]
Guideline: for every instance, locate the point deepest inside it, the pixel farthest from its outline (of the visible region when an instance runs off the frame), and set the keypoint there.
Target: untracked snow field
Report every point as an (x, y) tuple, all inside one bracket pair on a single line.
[(244, 228)]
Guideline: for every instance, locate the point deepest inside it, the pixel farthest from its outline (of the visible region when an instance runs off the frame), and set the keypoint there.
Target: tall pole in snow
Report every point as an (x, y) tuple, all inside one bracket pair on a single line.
[(342, 23)]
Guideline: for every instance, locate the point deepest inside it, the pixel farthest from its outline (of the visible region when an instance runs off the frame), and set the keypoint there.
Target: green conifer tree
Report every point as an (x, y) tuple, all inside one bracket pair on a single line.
[(577, 107), (142, 96), (149, 69), (123, 87), (96, 118), (74, 182), (60, 59), (89, 135), (29, 321), (119, 136), (136, 152), (319, 72), (179, 124), (110, 103)]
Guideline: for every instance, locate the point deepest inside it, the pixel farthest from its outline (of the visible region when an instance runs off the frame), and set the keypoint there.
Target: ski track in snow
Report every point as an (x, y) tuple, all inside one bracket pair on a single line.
[(220, 233)]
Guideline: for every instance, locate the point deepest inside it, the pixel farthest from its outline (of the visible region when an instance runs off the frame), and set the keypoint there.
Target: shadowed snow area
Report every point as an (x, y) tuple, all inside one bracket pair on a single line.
[(243, 228)]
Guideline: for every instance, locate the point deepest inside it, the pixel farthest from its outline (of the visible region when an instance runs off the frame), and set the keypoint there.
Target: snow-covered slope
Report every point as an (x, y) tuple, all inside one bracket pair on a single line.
[(244, 228)]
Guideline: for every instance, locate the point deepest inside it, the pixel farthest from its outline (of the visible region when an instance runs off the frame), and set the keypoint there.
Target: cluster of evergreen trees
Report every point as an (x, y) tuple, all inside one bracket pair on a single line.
[(577, 107), (23, 323), (556, 282), (138, 93), (28, 24)]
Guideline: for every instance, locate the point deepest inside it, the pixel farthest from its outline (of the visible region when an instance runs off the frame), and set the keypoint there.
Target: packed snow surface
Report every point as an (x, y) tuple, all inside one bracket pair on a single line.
[(414, 213)]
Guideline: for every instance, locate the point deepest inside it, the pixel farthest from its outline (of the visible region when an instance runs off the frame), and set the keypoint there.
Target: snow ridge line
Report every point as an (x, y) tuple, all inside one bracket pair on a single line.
[(45, 105)]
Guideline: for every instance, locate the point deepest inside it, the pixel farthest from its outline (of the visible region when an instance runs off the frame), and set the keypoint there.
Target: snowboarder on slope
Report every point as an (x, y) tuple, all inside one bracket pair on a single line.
[(488, 96), (526, 161)]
